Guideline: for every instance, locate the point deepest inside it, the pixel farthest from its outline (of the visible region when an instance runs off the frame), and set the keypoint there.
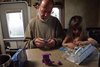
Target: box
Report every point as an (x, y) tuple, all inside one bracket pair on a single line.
[(80, 54)]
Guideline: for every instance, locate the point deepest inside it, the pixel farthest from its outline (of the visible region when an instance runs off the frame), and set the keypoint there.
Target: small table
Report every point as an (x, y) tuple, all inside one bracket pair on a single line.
[(34, 57)]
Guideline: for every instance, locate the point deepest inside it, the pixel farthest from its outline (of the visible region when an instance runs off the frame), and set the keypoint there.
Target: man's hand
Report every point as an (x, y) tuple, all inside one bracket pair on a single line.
[(39, 42), (51, 43)]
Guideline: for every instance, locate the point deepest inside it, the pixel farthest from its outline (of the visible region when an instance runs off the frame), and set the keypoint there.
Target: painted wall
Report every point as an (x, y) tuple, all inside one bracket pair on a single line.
[(3, 28), (88, 9), (99, 15), (32, 12)]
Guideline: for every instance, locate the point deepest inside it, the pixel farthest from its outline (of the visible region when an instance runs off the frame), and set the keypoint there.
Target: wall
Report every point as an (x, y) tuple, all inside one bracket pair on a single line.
[(88, 9), (99, 15), (32, 12), (11, 7), (2, 49)]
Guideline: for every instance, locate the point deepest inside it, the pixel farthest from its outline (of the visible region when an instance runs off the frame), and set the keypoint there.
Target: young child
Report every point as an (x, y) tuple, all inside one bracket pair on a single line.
[(77, 35)]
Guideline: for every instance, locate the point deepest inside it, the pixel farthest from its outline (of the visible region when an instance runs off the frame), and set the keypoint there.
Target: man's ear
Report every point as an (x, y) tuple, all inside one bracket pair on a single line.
[(36, 6)]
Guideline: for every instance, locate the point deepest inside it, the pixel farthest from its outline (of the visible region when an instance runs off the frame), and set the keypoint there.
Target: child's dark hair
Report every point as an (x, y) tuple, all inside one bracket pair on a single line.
[(75, 18), (77, 24)]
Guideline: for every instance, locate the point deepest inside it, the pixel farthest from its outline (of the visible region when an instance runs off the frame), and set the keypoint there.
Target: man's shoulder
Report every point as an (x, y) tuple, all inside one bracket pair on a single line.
[(33, 19), (53, 17)]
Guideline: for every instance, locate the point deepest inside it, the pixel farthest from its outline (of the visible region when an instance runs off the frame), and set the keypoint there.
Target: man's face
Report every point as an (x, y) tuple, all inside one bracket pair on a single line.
[(45, 9)]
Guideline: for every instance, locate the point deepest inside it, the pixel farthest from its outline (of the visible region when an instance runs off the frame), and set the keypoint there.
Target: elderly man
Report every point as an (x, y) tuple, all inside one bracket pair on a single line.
[(45, 31)]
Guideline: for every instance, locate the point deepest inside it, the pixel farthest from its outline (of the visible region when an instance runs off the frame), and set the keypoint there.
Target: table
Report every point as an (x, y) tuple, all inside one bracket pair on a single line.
[(34, 57)]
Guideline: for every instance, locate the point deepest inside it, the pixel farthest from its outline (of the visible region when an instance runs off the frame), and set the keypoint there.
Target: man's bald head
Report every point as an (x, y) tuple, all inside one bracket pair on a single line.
[(47, 1)]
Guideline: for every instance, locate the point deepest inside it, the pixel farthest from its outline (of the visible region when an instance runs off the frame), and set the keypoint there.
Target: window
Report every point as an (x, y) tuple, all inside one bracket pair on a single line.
[(15, 24)]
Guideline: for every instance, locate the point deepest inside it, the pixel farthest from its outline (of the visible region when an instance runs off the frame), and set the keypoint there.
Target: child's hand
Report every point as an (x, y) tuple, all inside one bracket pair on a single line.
[(77, 42), (70, 45)]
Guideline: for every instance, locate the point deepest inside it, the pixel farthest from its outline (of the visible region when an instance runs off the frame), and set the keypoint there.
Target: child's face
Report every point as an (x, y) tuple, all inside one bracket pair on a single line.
[(76, 30)]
